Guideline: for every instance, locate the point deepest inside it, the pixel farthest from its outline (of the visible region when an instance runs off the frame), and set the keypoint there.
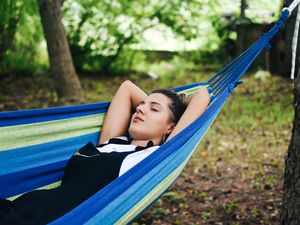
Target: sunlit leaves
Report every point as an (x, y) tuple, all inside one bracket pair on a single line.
[(102, 29), (98, 31)]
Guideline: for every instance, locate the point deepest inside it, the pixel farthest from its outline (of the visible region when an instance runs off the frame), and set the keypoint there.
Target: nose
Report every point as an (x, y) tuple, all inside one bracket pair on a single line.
[(140, 109)]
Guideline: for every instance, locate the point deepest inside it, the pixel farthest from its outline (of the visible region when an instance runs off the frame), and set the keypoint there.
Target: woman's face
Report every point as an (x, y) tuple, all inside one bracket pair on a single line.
[(152, 119)]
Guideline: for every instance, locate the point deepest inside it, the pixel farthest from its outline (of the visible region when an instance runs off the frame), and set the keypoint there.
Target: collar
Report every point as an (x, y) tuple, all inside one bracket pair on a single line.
[(126, 141)]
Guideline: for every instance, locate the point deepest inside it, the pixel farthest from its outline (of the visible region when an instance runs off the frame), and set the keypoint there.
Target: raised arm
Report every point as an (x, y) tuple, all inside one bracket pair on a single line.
[(117, 118), (196, 105)]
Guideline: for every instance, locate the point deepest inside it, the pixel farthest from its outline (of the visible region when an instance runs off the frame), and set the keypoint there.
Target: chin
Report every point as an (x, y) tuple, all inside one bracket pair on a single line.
[(135, 133), (138, 134)]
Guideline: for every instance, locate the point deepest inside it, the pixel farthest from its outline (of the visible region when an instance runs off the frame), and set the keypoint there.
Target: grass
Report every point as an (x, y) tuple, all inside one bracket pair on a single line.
[(252, 129)]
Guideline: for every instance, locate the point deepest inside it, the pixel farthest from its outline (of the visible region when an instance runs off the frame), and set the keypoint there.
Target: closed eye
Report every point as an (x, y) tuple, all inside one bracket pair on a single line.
[(155, 110), (141, 103)]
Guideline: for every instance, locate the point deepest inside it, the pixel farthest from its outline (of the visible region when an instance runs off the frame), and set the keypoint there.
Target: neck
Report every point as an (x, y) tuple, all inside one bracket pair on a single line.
[(143, 143)]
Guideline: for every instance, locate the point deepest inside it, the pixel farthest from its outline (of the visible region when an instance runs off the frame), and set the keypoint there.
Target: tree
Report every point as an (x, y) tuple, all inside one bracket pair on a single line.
[(243, 9), (11, 11), (66, 80), (290, 211)]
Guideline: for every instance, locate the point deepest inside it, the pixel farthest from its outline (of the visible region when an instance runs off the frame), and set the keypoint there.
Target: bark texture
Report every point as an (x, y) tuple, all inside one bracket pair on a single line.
[(290, 211), (62, 68)]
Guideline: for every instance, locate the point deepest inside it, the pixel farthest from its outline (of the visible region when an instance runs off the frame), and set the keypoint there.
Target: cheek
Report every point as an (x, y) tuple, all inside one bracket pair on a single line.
[(160, 121)]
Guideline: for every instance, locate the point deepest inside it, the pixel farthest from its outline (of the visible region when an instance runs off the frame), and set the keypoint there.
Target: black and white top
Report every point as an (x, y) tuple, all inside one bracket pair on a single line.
[(90, 169), (136, 153)]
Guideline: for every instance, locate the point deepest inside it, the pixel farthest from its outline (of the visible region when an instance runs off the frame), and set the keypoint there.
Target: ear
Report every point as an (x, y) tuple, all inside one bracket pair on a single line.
[(170, 128)]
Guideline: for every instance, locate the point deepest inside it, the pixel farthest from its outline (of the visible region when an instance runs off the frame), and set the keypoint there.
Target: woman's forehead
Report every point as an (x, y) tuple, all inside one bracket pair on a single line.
[(158, 97)]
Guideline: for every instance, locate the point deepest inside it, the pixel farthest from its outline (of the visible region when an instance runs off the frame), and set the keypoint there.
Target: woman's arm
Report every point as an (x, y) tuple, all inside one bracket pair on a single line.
[(196, 105), (117, 118)]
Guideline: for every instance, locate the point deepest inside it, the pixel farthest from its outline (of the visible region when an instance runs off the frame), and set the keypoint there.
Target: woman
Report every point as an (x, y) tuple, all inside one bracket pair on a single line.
[(157, 118)]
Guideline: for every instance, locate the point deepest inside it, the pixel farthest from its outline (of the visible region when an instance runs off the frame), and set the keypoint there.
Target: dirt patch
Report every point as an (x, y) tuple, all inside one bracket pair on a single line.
[(207, 198)]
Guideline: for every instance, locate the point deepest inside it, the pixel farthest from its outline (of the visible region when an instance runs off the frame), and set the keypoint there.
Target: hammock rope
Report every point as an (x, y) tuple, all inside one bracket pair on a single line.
[(35, 146), (292, 6), (294, 44)]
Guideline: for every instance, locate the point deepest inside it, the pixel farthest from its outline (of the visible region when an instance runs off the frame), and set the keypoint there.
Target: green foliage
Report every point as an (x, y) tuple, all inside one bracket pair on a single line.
[(202, 196), (21, 62), (11, 11), (206, 57), (98, 31), (206, 216), (104, 34), (231, 206), (160, 211), (27, 52), (174, 68), (254, 213), (174, 197)]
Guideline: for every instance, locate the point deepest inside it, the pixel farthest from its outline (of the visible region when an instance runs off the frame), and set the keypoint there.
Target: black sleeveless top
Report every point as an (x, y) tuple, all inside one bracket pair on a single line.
[(87, 171)]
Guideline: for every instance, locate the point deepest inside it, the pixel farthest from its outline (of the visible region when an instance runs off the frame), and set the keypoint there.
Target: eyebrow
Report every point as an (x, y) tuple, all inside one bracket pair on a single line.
[(155, 103), (151, 103)]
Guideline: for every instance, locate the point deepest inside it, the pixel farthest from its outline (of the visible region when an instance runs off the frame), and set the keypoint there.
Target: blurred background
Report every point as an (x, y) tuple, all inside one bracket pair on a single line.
[(121, 37), (236, 176)]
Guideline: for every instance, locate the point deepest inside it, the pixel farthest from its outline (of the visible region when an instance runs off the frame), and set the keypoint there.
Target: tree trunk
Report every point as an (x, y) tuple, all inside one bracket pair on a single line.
[(243, 9), (62, 68), (290, 211)]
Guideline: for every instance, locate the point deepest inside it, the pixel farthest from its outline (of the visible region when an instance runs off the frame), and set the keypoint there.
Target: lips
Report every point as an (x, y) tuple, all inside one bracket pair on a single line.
[(138, 119)]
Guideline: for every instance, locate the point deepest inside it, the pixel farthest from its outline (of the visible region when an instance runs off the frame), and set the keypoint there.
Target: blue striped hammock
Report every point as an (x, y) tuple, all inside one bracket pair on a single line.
[(35, 146)]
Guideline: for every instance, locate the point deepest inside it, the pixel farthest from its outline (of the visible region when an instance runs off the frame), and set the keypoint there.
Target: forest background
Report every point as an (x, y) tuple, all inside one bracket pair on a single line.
[(232, 179)]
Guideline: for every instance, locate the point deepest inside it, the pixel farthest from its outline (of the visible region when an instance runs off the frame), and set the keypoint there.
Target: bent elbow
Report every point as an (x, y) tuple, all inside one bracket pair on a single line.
[(204, 96), (126, 83)]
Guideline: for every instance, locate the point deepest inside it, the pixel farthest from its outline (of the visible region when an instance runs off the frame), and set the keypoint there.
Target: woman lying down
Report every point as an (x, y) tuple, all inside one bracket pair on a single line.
[(125, 140)]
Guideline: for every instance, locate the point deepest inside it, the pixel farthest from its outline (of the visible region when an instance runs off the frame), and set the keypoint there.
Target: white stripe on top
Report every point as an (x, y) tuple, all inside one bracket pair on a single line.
[(132, 159)]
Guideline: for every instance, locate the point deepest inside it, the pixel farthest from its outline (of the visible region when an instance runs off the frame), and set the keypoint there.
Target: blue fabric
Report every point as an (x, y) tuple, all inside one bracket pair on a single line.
[(27, 168), (185, 87), (32, 178), (49, 114)]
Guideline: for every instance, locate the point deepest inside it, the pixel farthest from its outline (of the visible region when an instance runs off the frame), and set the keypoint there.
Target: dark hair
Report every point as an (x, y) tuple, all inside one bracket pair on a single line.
[(177, 106)]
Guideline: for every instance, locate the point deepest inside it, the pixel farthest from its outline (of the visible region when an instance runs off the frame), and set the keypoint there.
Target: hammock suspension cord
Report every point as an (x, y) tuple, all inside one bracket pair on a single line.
[(294, 43), (292, 6)]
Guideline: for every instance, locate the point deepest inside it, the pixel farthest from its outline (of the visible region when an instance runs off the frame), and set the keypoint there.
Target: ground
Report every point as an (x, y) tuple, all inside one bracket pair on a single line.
[(226, 198), (236, 175)]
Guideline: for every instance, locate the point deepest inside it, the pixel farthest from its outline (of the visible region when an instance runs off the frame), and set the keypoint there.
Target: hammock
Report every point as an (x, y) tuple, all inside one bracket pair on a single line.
[(36, 144)]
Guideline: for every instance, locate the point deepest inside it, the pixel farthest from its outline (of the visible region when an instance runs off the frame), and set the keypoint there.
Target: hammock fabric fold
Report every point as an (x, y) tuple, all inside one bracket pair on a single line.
[(36, 144)]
